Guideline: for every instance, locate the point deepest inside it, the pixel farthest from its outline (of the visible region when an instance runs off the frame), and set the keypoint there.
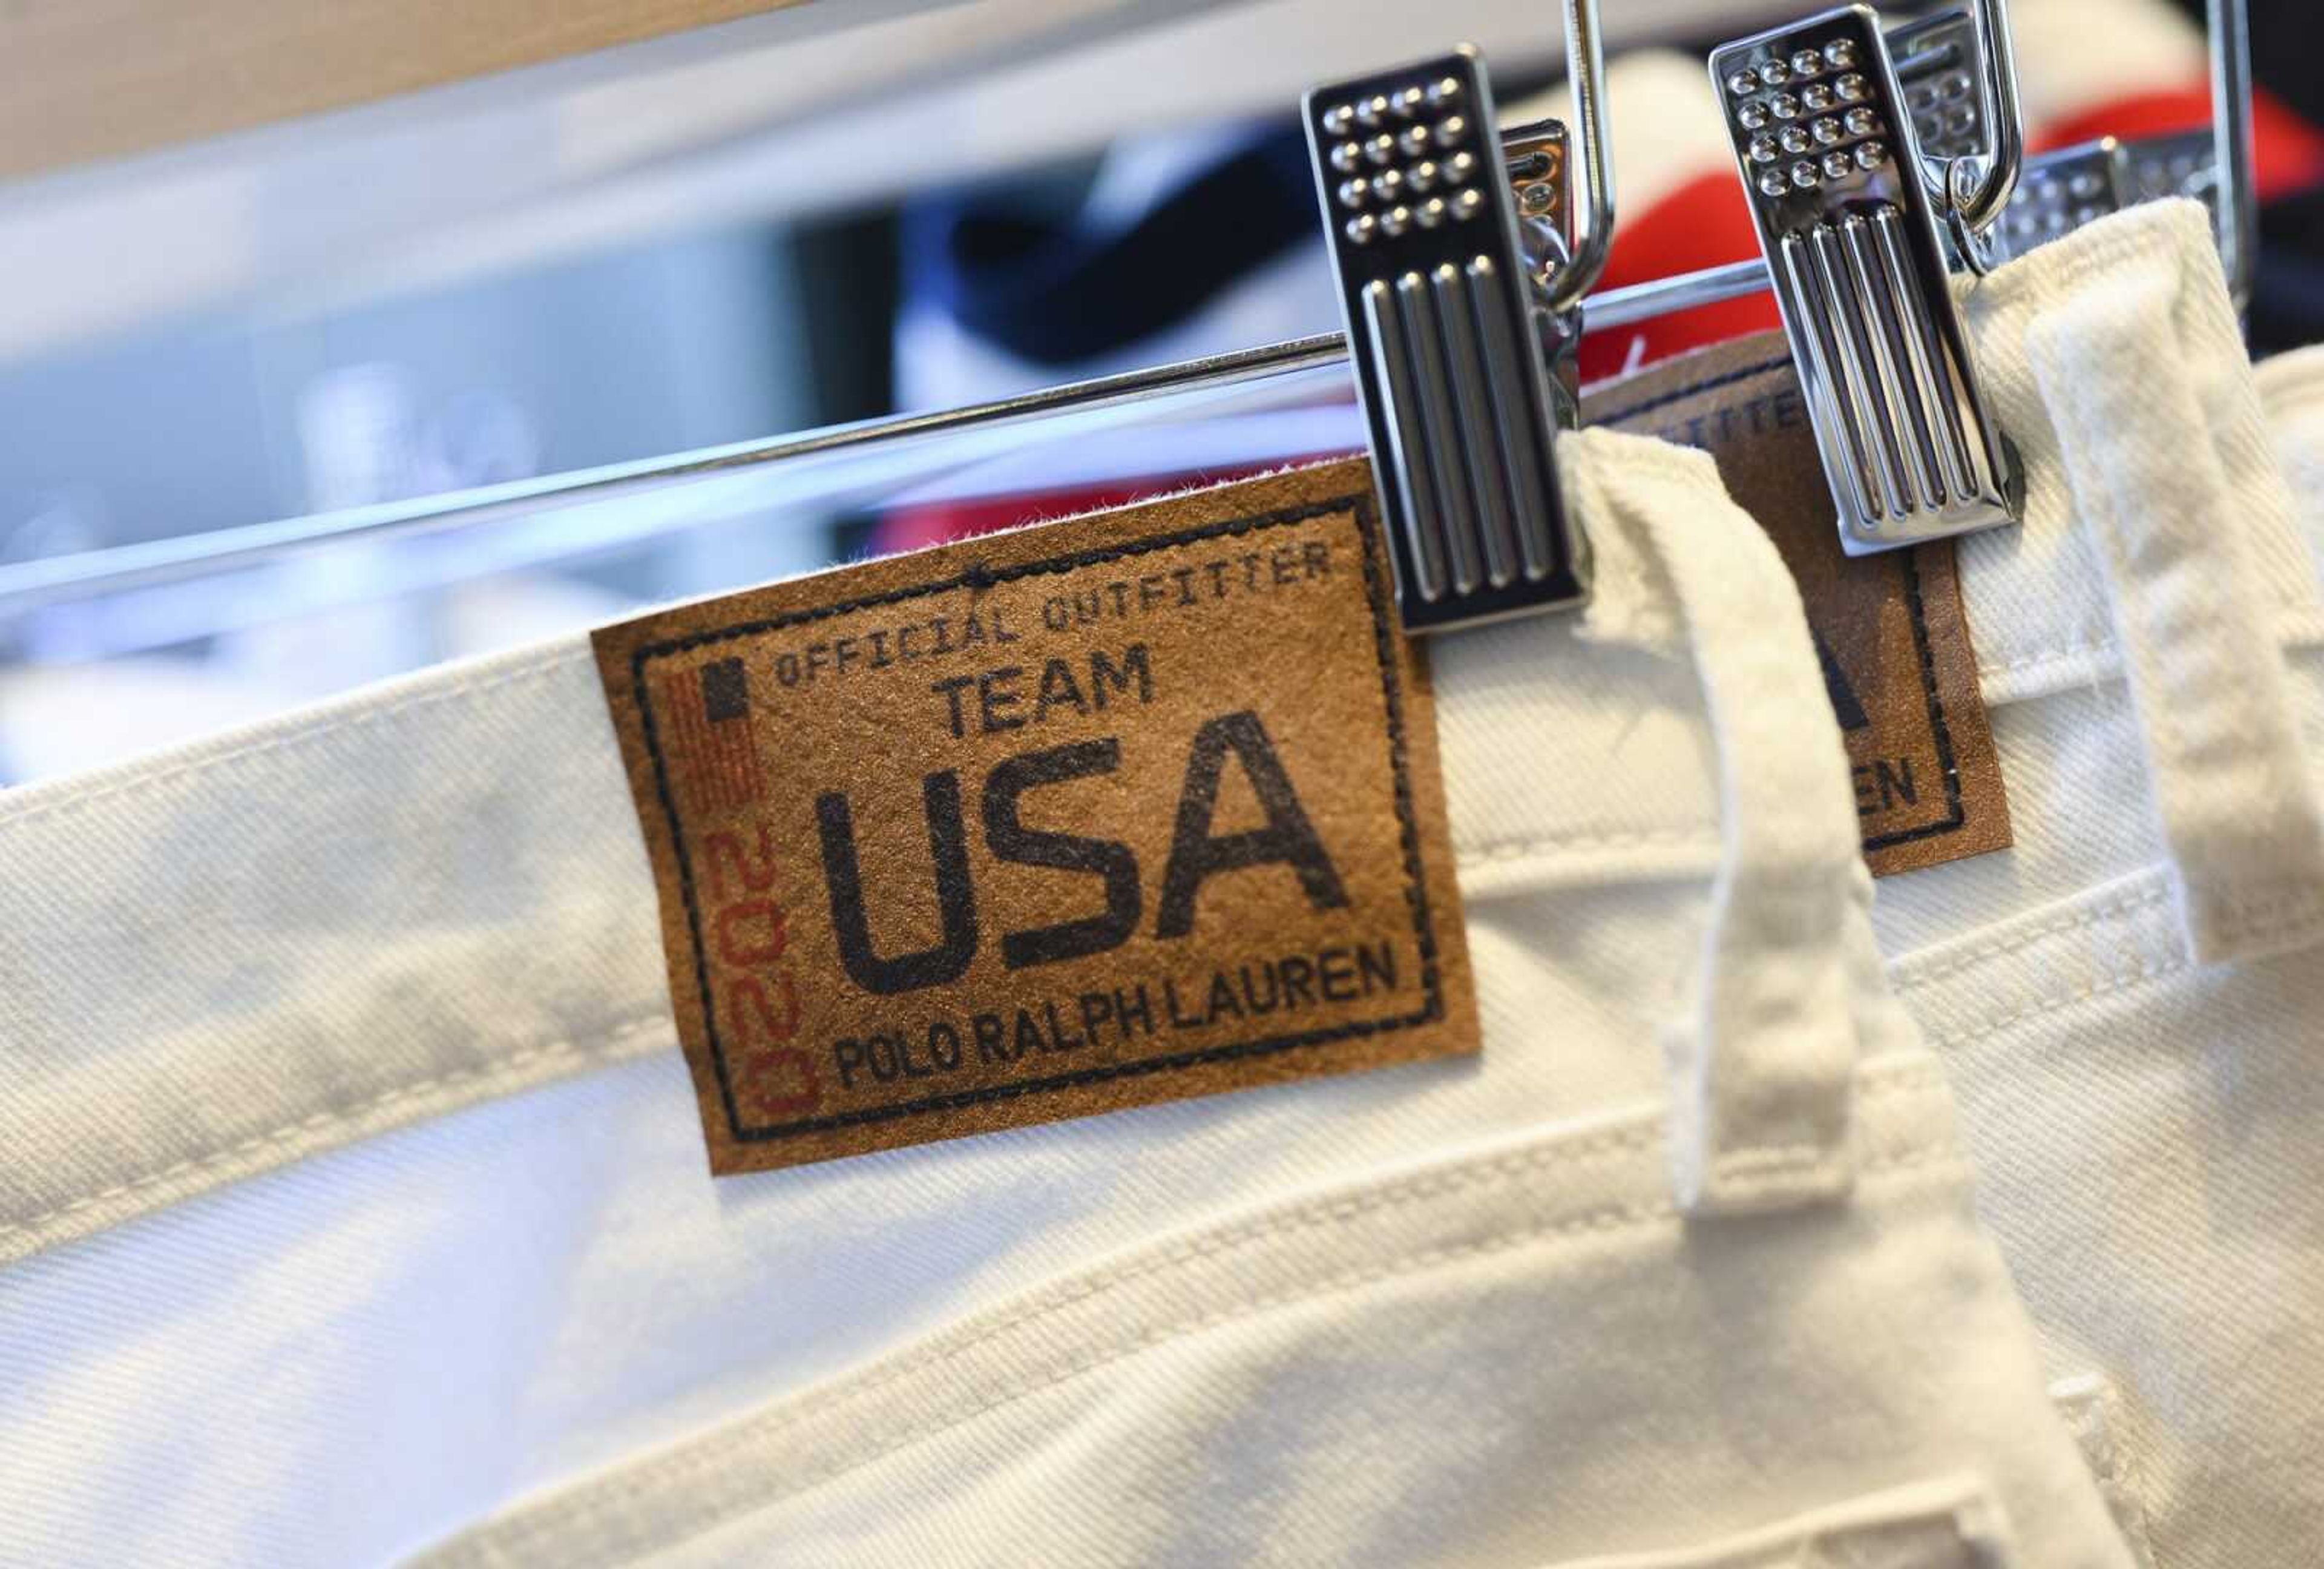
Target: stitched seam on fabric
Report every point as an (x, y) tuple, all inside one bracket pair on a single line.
[(1773, 1158), (2298, 905), (548, 664), (1694, 389), (697, 1457), (2242, 916), (2268, 918), (1920, 1078), (1905, 976), (2048, 656), (2294, 630), (2135, 601), (323, 1121), (1263, 1228), (2142, 976), (1706, 834)]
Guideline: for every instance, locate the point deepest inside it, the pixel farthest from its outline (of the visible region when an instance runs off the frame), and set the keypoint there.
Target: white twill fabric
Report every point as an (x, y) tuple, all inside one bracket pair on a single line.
[(2170, 477), (357, 1202), (1764, 1055), (2131, 1001), (2292, 390)]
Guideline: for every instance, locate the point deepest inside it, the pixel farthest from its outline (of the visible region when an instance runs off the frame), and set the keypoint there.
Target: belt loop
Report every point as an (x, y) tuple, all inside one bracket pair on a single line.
[(1763, 1061), (2167, 455)]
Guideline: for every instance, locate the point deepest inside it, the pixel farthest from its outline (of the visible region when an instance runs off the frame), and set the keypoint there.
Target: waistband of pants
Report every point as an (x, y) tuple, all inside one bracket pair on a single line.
[(386, 907)]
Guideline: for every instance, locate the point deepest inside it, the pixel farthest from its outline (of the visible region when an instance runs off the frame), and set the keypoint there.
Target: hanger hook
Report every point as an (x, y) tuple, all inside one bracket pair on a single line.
[(1593, 221), (1977, 190)]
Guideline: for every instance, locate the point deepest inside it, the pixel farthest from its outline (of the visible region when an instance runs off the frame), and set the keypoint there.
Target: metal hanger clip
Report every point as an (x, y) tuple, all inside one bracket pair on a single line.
[(1449, 242), (1864, 281)]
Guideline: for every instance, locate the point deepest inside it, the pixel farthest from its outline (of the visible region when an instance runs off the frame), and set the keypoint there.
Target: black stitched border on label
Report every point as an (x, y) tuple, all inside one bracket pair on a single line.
[(1956, 812), (1695, 390), (1357, 508)]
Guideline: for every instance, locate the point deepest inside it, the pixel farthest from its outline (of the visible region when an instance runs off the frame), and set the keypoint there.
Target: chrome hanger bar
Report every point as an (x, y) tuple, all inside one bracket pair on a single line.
[(29, 586), (1636, 302), (2236, 193)]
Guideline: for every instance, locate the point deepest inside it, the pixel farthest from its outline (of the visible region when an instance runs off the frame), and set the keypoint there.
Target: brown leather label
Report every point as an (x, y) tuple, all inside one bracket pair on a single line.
[(1890, 630), (1130, 807)]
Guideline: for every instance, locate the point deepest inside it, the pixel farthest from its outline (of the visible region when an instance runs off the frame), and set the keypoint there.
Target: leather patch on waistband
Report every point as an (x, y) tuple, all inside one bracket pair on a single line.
[(1126, 809), (1889, 628)]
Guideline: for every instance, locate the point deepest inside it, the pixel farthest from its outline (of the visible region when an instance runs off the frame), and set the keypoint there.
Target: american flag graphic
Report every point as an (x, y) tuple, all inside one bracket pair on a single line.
[(708, 711)]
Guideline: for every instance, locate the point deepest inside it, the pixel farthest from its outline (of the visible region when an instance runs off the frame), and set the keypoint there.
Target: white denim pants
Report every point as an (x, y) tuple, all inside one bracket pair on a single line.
[(354, 1205), (2131, 1001)]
